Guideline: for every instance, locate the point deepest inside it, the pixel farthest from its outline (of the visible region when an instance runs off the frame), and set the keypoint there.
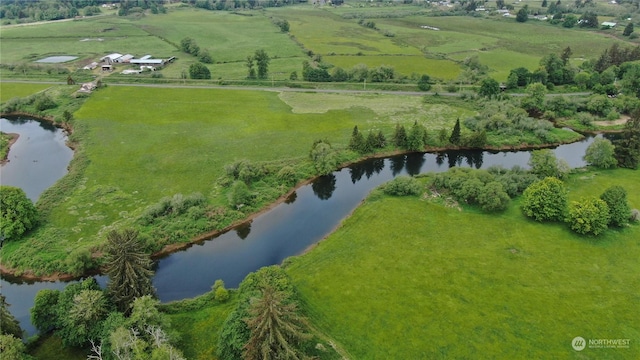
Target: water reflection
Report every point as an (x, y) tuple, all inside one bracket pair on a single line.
[(243, 230), (324, 186), (291, 198)]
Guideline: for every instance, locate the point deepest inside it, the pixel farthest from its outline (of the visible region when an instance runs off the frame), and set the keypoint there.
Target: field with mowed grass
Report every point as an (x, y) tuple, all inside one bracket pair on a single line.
[(139, 145), (19, 90), (408, 278)]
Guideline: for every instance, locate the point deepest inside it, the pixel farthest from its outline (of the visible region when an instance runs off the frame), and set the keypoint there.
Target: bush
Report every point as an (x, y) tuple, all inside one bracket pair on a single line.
[(239, 195), (616, 199), (588, 216), (545, 200), (44, 102), (601, 154), (492, 197), (403, 186), (17, 213)]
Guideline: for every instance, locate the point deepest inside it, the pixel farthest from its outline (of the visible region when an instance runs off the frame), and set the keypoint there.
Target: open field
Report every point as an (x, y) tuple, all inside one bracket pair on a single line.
[(170, 141), (11, 90), (398, 40), (408, 278)]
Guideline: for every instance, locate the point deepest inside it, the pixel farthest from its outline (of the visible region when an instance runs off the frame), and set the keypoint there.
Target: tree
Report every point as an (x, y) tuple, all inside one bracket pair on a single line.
[(262, 61), (357, 143), (493, 197), (588, 216), (8, 323), (570, 21), (455, 133), (128, 268), (489, 88), (199, 71), (628, 30), (12, 348), (534, 101), (189, 46), (627, 148), (523, 14), (545, 200), (17, 213), (589, 19), (566, 55), (424, 83), (619, 210), (43, 313), (251, 71), (544, 163), (323, 157), (205, 57), (416, 138), (276, 327), (81, 323), (600, 154), (400, 136)]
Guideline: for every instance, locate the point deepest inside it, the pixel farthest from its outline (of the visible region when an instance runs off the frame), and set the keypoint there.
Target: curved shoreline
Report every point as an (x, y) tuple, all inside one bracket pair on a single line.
[(28, 275), (13, 137)]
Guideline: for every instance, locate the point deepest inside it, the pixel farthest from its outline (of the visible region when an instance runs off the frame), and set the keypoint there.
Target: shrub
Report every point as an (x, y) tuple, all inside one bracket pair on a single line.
[(239, 195), (17, 212), (44, 102), (403, 186), (545, 200), (588, 216), (492, 197), (616, 199), (601, 154)]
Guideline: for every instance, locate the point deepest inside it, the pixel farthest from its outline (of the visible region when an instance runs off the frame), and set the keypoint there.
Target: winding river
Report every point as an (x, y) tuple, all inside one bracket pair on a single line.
[(287, 229)]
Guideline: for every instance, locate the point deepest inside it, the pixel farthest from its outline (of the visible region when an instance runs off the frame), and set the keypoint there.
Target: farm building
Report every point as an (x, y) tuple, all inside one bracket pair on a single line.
[(608, 24), (111, 58)]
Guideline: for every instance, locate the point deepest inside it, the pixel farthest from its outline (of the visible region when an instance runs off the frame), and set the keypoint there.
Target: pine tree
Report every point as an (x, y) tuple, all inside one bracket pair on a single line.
[(128, 268), (276, 328), (628, 30), (455, 134), (415, 140), (357, 142), (400, 136)]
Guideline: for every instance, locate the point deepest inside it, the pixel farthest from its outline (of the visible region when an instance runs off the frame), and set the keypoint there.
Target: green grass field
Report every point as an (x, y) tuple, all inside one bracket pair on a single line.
[(408, 278), (143, 144), (11, 90)]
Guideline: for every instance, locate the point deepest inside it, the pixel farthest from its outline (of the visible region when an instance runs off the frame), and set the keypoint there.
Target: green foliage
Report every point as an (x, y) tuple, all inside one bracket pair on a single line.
[(262, 61), (523, 14), (403, 186), (357, 142), (417, 138), (82, 322), (8, 323), (12, 348), (44, 314), (544, 163), (199, 71), (489, 88), (628, 30), (239, 195), (129, 268), (601, 154), (276, 327), (545, 200), (492, 197), (220, 293), (189, 46), (17, 213), (323, 157), (424, 83), (205, 57), (455, 133), (619, 210), (400, 137), (588, 216), (627, 148)]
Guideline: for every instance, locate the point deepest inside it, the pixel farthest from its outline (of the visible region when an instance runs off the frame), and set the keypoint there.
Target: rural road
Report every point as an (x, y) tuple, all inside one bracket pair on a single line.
[(281, 89)]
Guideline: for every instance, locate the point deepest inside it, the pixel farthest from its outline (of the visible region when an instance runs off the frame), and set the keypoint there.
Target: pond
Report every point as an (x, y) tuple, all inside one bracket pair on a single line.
[(289, 228)]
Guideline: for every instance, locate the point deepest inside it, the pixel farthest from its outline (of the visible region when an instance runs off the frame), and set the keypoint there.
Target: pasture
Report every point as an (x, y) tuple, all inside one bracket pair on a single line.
[(11, 90), (410, 278), (169, 141)]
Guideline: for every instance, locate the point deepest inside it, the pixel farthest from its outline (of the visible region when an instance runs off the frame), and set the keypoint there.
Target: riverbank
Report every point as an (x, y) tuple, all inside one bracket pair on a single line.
[(6, 141), (200, 239)]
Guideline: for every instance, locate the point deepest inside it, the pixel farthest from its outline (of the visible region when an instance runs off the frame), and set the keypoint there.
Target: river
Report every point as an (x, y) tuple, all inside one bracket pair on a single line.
[(287, 229)]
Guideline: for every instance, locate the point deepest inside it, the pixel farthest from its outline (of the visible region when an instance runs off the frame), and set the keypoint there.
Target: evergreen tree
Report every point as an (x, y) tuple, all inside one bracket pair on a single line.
[(400, 136), (8, 323), (381, 140), (357, 142), (276, 328), (455, 134), (627, 149), (415, 140), (128, 268), (371, 142), (523, 14), (628, 30)]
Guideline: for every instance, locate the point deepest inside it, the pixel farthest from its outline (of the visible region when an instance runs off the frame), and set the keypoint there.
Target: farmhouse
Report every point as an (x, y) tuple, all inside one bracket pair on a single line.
[(608, 24)]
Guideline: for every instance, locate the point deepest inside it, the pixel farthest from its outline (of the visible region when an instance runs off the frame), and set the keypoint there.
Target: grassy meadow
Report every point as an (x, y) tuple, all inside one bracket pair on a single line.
[(11, 90), (142, 144), (334, 33), (410, 278)]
